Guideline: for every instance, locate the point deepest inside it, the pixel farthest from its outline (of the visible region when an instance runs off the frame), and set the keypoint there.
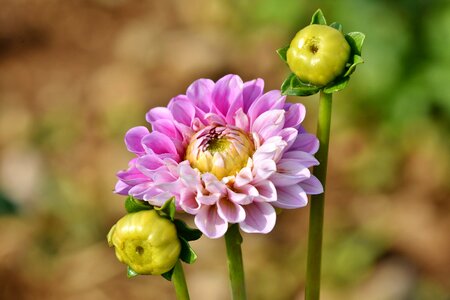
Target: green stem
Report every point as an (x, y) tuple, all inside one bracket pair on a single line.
[(233, 241), (179, 282), (317, 201)]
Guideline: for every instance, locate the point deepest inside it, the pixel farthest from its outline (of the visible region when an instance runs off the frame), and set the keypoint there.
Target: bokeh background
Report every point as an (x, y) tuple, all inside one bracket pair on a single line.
[(75, 75)]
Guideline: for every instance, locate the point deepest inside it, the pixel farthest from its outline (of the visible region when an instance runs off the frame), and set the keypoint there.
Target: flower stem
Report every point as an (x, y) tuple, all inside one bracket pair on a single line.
[(233, 241), (317, 201), (179, 282)]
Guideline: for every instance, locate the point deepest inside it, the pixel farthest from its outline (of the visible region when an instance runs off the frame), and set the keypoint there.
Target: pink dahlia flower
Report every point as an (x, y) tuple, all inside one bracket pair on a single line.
[(227, 152)]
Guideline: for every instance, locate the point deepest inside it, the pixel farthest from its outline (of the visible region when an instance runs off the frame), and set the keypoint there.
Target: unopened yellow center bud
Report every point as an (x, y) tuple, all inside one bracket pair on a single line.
[(220, 150)]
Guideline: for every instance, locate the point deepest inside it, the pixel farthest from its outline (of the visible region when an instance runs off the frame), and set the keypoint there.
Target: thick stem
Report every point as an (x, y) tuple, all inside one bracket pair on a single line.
[(179, 282), (317, 201), (233, 241)]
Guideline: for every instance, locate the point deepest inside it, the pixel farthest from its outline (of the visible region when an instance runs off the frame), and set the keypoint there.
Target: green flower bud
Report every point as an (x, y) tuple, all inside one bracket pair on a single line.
[(318, 54), (146, 242)]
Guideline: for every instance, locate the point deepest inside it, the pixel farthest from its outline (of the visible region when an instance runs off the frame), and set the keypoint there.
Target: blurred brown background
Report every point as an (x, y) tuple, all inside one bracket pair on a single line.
[(75, 75)]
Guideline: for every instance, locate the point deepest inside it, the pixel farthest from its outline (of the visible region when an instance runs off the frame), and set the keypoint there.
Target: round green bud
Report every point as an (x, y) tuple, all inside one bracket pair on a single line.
[(146, 242), (318, 54)]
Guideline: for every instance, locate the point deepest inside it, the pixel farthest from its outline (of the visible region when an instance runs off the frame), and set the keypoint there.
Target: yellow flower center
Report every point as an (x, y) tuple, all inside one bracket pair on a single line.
[(220, 150)]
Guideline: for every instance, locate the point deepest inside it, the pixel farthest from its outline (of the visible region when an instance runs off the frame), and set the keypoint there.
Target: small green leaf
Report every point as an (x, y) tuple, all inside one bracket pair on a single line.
[(337, 85), (135, 205), (168, 208), (337, 26), (187, 254), (187, 233), (131, 273), (168, 274), (282, 52), (318, 18), (355, 40), (292, 86), (356, 61)]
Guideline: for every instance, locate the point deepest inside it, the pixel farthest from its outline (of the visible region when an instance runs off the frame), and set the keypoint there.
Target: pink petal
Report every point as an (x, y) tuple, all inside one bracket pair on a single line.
[(306, 142), (243, 177), (271, 149), (306, 159), (148, 164), (291, 197), (269, 123), (208, 199), (122, 188), (289, 172), (241, 120), (240, 198), (312, 186), (158, 113), (182, 109), (167, 127), (213, 185), (159, 143), (295, 115), (230, 211), (260, 218), (200, 92), (138, 191), (227, 90), (267, 191), (210, 223), (252, 90), (264, 169), (269, 101), (188, 202), (289, 135), (133, 139)]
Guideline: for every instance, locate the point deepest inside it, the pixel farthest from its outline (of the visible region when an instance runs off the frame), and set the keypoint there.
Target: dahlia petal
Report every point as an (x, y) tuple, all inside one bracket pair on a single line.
[(182, 109), (200, 92), (269, 101), (260, 218), (292, 196), (213, 185), (244, 177), (288, 135), (159, 143), (269, 123), (250, 190), (230, 211), (138, 191), (306, 142), (295, 115), (148, 164), (133, 139), (158, 113), (306, 159), (264, 169), (157, 196), (122, 188), (188, 202), (132, 176), (208, 199), (241, 120), (312, 186), (167, 127), (267, 191), (252, 90), (289, 172), (214, 119), (271, 149), (189, 177), (227, 90), (240, 198), (210, 223)]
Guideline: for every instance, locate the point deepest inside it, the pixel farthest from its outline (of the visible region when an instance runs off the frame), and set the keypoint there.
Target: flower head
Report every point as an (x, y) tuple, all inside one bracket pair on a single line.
[(227, 152)]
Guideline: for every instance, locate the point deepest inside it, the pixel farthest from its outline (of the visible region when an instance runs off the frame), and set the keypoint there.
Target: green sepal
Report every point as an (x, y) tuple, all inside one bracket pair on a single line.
[(356, 41), (292, 86), (168, 209), (318, 18), (337, 26), (168, 274), (186, 232), (187, 254), (131, 273), (336, 85), (134, 205), (282, 53), (354, 62)]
